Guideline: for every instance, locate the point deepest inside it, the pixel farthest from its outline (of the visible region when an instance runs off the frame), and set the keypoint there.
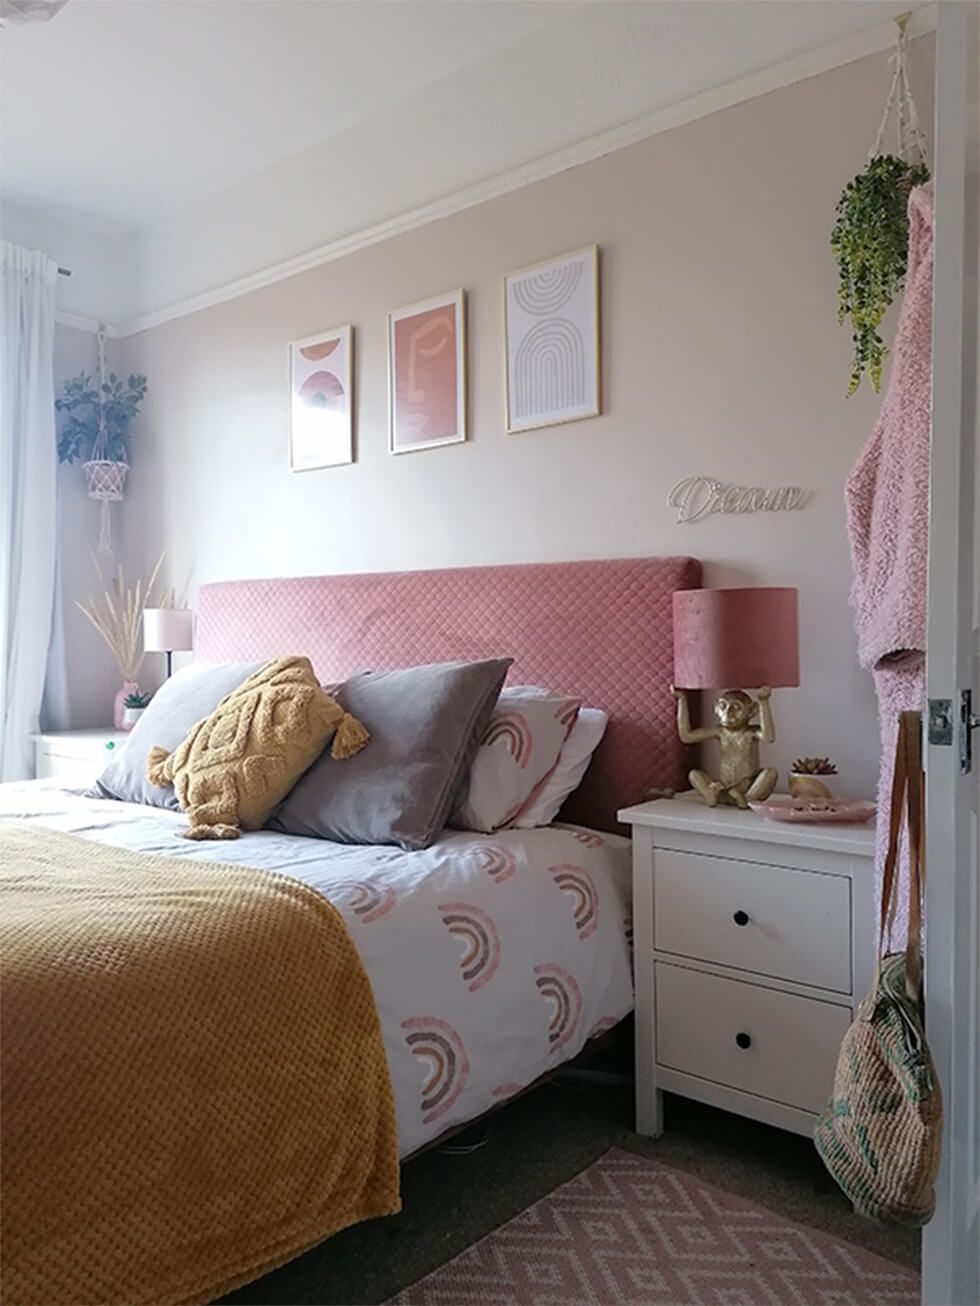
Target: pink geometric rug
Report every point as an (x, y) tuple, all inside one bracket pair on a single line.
[(634, 1232)]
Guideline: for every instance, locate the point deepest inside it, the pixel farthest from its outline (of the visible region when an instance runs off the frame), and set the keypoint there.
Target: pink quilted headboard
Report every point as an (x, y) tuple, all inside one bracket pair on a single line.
[(599, 630)]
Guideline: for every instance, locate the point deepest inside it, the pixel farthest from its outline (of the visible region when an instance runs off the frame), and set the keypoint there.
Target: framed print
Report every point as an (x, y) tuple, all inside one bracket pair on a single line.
[(321, 407), (427, 373), (551, 341)]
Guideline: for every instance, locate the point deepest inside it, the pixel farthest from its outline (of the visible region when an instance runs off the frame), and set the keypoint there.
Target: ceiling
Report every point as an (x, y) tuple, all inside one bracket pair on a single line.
[(139, 108), (208, 136)]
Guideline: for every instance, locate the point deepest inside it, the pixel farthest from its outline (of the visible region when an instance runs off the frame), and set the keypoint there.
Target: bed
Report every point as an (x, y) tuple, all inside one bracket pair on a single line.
[(493, 958)]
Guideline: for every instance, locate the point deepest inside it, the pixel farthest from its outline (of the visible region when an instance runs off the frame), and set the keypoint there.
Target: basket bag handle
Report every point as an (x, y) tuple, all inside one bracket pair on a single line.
[(908, 794)]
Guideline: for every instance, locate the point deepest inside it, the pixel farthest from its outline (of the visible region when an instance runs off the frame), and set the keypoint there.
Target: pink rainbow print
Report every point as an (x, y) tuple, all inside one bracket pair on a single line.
[(482, 943), (588, 837), (564, 997), (499, 863), (567, 714), (369, 901), (578, 884), (513, 729), (435, 1042), (508, 1090)]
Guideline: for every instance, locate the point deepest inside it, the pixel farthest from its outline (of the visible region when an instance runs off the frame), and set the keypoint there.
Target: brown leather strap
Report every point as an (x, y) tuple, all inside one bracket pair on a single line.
[(911, 722), (890, 875)]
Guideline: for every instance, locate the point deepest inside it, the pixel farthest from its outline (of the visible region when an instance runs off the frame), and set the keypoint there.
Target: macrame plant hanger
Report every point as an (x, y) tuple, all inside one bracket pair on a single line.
[(911, 142), (106, 478)]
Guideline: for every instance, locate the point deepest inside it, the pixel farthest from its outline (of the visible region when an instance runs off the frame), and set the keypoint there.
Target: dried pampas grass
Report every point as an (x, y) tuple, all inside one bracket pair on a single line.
[(117, 614)]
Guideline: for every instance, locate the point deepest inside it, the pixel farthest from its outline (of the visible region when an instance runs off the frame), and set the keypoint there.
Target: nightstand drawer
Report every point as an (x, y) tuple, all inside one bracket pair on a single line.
[(76, 756), (792, 1042), (793, 925)]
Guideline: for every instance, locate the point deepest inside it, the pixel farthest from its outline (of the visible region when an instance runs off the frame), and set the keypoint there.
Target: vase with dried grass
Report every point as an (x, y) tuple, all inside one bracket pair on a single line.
[(117, 614)]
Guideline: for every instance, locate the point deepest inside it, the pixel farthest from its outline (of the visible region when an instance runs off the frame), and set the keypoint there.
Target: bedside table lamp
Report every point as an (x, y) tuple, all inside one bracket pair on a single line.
[(725, 638), (168, 630)]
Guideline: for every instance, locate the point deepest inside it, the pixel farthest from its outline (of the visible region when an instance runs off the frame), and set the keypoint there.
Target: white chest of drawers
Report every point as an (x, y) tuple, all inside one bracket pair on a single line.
[(753, 945)]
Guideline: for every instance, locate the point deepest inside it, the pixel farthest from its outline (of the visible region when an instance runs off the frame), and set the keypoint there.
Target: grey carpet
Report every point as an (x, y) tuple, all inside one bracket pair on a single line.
[(533, 1145)]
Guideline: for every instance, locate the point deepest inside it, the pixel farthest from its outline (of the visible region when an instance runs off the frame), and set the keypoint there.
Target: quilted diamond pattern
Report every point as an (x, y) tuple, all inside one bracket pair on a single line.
[(601, 631)]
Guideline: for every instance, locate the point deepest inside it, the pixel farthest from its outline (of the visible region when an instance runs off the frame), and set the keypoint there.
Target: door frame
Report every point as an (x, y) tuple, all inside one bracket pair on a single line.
[(951, 1242)]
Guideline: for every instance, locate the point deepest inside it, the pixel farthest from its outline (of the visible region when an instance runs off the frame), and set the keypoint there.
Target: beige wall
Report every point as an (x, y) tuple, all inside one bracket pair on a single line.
[(721, 356)]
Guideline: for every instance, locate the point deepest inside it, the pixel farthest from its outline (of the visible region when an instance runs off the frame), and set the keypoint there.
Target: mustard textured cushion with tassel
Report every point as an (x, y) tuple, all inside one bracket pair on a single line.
[(235, 767)]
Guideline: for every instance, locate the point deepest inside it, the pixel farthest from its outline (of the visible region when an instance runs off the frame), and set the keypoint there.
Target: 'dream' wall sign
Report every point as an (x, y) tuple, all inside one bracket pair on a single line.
[(697, 497)]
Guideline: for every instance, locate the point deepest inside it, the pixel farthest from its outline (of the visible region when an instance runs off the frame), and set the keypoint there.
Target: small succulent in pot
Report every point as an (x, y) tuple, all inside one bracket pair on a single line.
[(809, 777), (134, 705)]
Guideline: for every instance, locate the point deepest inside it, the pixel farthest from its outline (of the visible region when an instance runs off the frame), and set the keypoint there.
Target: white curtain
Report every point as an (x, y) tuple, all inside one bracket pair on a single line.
[(28, 496)]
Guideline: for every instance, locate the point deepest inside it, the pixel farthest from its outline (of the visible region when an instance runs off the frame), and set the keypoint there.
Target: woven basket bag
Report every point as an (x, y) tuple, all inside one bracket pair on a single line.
[(881, 1133)]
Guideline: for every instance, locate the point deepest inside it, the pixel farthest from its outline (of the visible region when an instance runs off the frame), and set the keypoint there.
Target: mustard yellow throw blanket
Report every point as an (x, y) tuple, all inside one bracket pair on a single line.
[(194, 1086)]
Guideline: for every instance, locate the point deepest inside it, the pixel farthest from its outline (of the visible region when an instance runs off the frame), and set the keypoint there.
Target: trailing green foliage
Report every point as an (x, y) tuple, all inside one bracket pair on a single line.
[(870, 242), (97, 417)]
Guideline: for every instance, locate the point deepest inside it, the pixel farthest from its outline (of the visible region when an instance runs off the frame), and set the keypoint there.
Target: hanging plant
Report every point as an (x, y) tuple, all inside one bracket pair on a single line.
[(95, 426), (870, 239), (97, 416)]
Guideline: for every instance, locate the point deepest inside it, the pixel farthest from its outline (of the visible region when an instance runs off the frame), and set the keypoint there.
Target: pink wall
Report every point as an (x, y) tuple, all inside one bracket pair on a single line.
[(721, 355)]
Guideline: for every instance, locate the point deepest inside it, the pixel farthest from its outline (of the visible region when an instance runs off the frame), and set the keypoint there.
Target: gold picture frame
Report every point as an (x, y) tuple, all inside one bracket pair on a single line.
[(427, 381), (550, 310)]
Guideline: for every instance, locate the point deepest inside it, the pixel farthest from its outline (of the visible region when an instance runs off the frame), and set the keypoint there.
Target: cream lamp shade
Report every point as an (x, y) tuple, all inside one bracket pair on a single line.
[(168, 630)]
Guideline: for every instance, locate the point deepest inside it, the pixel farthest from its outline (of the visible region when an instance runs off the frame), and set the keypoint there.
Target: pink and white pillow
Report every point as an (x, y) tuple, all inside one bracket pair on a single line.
[(518, 752), (566, 776)]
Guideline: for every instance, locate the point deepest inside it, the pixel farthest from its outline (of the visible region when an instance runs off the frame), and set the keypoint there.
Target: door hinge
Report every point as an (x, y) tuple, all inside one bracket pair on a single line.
[(969, 720)]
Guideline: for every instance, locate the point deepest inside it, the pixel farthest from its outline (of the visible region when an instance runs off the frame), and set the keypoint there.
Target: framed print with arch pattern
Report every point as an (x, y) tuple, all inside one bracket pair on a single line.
[(551, 341)]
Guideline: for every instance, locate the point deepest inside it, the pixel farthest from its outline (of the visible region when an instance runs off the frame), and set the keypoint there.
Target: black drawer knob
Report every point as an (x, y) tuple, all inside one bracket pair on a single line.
[(743, 1040), (741, 918)]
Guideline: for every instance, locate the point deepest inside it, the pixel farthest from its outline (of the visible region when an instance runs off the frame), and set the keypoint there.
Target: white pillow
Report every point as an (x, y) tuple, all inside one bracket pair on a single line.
[(573, 762), (518, 751)]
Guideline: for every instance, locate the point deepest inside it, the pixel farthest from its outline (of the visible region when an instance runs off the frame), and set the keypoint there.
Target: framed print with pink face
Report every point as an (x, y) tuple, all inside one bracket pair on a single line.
[(321, 401), (427, 373)]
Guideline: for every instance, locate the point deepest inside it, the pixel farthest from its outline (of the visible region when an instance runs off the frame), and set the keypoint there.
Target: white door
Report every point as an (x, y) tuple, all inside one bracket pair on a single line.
[(951, 1243)]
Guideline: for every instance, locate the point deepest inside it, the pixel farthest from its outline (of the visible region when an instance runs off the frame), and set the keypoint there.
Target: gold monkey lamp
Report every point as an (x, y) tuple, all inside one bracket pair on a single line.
[(728, 637)]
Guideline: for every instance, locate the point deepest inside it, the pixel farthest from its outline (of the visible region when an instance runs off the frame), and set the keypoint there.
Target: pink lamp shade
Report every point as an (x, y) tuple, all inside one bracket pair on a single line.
[(168, 630), (736, 638)]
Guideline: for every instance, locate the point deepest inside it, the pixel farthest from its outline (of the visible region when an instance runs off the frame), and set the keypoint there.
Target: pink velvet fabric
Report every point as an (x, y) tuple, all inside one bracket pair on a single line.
[(888, 522), (736, 638), (602, 631)]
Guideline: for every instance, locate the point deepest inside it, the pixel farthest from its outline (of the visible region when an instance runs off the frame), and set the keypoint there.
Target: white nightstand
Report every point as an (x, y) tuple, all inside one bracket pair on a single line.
[(76, 756), (753, 944)]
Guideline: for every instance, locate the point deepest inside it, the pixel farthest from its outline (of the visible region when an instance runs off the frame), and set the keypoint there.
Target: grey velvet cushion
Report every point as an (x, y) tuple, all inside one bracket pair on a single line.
[(189, 695), (425, 725)]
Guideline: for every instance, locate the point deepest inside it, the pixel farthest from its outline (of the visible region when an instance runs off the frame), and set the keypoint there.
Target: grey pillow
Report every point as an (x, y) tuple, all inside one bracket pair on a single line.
[(425, 725), (189, 695)]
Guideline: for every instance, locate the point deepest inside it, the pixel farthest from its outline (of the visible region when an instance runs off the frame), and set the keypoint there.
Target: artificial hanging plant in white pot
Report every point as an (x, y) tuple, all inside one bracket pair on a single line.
[(96, 414)]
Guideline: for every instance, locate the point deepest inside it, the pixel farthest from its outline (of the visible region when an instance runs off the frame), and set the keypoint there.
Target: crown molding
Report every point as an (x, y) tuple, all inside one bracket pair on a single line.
[(89, 324), (858, 45)]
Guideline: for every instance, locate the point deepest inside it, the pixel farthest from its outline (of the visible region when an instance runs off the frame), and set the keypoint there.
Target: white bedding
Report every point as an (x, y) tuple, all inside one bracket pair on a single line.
[(493, 958)]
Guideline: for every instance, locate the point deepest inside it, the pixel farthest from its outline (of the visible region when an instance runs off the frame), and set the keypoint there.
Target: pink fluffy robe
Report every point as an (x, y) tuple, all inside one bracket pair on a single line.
[(888, 522)]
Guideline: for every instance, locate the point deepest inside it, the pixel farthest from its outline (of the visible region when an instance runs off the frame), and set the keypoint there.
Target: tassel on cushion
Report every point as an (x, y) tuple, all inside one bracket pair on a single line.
[(156, 766), (350, 738)]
